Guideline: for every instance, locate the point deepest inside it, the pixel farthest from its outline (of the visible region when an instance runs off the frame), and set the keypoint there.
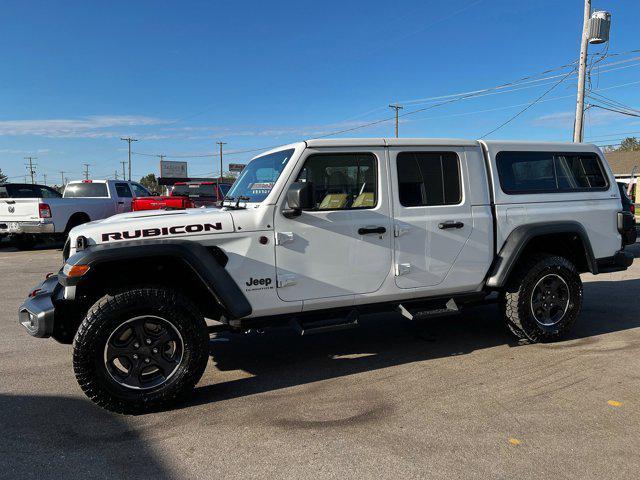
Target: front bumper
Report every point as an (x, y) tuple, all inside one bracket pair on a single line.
[(37, 313), (18, 228)]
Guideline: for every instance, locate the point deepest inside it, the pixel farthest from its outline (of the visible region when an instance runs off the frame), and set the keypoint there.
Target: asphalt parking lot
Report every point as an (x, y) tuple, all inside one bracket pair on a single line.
[(449, 398)]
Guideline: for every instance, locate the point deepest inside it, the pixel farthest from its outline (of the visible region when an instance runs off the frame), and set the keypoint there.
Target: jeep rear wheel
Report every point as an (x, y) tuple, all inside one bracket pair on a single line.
[(543, 298), (140, 350)]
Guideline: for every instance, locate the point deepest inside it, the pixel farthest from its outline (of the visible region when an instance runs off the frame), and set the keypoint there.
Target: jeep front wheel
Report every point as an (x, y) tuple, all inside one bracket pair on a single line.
[(140, 350), (543, 298)]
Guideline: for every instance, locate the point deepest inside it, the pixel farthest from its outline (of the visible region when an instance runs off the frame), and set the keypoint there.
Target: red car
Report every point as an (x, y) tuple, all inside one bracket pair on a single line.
[(184, 195)]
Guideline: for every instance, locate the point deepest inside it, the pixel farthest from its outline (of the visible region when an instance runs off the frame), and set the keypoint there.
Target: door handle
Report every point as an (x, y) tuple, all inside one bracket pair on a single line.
[(367, 230), (450, 224), (120, 203)]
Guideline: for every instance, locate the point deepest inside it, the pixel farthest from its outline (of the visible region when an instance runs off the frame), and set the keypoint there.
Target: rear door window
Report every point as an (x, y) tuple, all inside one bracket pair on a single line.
[(123, 190), (86, 190), (428, 178)]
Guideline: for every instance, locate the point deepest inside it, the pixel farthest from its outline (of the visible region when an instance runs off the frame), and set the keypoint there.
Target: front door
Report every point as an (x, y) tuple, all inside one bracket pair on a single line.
[(342, 246), (433, 215)]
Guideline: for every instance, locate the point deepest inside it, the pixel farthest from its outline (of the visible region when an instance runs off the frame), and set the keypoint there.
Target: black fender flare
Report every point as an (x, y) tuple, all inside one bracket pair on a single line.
[(201, 261), (520, 237)]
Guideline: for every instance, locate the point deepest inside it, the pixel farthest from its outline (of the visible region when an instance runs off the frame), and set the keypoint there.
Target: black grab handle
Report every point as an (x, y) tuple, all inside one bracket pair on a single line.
[(445, 225), (366, 230)]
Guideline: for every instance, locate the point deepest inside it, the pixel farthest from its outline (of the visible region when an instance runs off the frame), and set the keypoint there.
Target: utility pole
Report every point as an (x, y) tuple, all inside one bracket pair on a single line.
[(129, 140), (45, 178), (62, 178), (86, 170), (124, 173), (31, 166), (115, 174), (221, 171), (397, 108), (582, 67)]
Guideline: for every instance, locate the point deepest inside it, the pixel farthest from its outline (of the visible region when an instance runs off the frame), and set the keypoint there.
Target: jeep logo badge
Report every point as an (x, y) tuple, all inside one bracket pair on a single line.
[(258, 284), (12, 209)]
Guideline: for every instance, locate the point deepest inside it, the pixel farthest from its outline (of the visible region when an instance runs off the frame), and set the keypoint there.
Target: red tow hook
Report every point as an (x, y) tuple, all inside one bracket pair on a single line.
[(35, 292)]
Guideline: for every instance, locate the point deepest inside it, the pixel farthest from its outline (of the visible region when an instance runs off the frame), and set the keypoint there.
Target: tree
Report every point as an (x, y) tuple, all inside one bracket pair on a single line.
[(629, 144), (3, 177), (150, 182)]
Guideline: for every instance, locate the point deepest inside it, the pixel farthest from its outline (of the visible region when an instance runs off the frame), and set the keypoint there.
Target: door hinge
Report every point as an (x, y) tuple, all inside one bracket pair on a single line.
[(399, 230), (282, 238), (287, 280), (402, 269)]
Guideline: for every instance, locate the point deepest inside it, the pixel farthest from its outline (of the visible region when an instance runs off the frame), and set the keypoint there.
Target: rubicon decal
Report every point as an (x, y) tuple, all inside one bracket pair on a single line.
[(161, 231)]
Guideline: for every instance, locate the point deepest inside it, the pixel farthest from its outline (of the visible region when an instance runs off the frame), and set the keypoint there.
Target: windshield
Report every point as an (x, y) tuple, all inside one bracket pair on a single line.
[(258, 178)]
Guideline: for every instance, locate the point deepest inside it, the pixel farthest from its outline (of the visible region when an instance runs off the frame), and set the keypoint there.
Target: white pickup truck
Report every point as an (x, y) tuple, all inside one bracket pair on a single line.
[(315, 234), (29, 213)]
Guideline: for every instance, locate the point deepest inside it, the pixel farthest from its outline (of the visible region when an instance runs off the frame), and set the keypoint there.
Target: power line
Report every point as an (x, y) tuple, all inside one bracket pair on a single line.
[(611, 102), (528, 106), (614, 110)]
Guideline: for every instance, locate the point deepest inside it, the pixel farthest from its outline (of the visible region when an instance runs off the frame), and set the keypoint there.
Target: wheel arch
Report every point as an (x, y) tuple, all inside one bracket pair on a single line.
[(191, 268), (77, 218), (568, 239)]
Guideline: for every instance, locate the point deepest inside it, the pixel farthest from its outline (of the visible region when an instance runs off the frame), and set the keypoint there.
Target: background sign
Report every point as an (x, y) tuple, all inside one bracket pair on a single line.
[(236, 167), (171, 169)]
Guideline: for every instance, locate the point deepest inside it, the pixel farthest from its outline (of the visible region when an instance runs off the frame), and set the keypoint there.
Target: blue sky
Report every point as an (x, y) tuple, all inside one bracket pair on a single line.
[(76, 76)]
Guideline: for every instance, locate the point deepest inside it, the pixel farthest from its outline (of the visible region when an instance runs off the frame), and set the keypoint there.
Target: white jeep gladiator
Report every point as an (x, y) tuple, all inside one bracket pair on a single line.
[(29, 213), (316, 233)]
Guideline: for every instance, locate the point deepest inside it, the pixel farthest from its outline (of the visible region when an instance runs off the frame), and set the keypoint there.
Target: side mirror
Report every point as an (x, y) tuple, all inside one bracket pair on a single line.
[(299, 197)]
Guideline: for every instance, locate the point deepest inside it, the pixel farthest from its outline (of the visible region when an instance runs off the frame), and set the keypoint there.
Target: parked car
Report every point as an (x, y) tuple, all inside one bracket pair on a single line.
[(31, 213), (627, 203), (185, 195), (316, 233)]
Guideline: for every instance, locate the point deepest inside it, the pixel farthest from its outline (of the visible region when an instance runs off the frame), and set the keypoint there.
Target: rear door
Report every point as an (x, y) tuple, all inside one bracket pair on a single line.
[(342, 246), (124, 197), (433, 214)]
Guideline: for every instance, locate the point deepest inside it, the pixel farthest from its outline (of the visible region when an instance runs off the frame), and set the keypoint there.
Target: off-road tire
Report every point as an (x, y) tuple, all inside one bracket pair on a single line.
[(112, 311), (516, 300)]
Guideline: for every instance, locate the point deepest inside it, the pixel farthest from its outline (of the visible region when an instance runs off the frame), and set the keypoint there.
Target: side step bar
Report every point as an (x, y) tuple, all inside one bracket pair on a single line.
[(451, 308), (321, 326)]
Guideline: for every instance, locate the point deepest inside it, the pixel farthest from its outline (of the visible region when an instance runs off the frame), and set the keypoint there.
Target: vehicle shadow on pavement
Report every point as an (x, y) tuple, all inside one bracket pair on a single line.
[(8, 246), (283, 359), (41, 440)]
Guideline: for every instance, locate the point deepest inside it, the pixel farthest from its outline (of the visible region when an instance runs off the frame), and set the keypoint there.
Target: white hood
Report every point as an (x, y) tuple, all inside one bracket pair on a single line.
[(155, 224)]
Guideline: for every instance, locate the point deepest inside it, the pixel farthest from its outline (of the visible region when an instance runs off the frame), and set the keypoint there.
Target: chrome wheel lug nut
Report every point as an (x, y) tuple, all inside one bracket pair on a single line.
[(148, 341), (155, 350), (136, 345), (146, 360), (135, 356)]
